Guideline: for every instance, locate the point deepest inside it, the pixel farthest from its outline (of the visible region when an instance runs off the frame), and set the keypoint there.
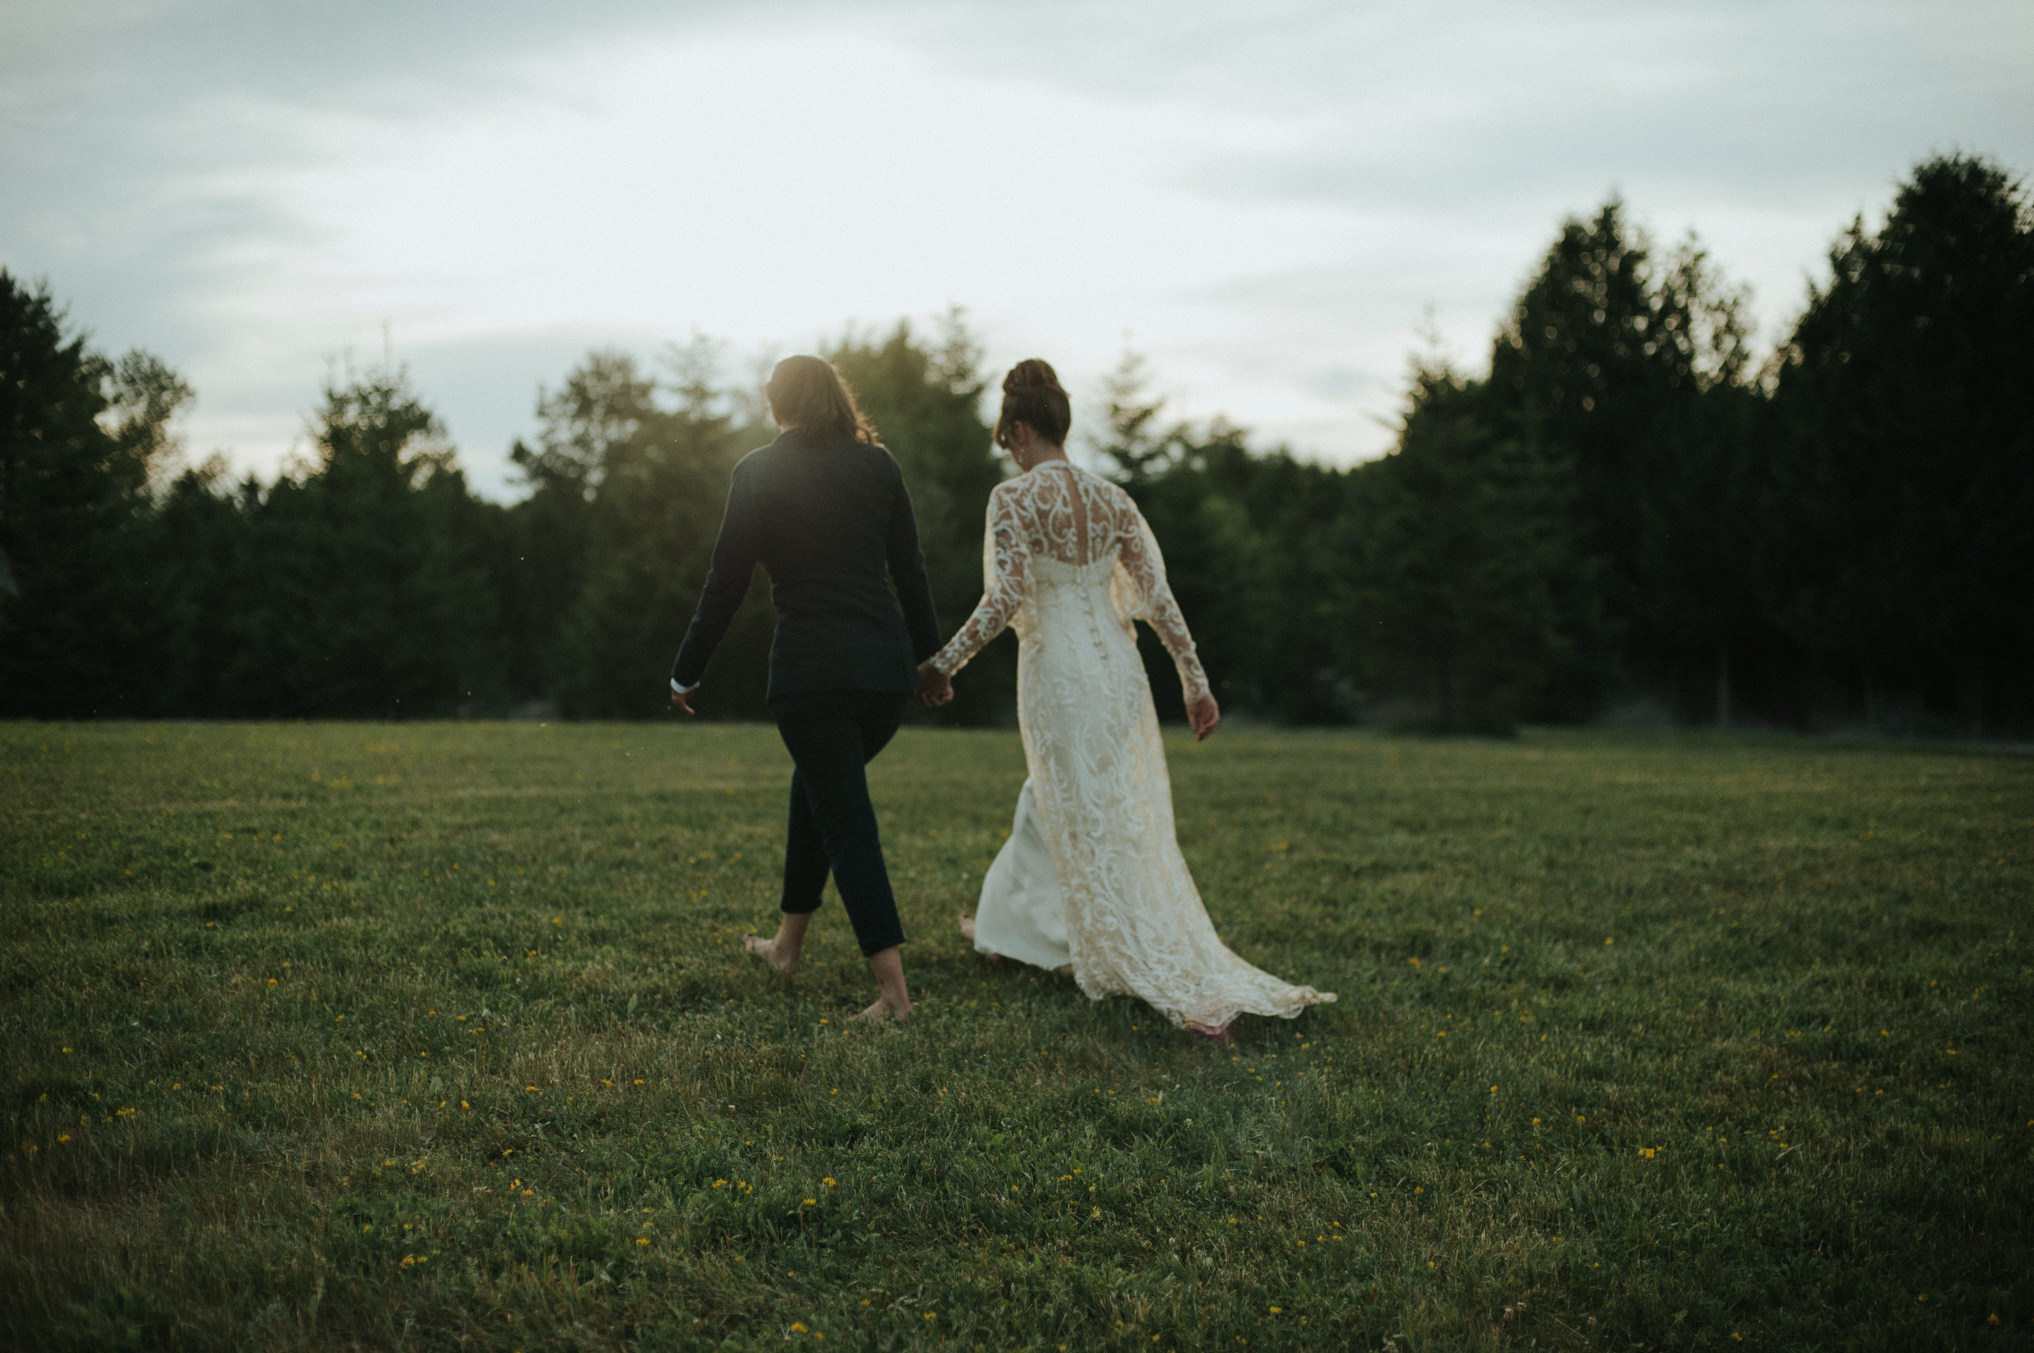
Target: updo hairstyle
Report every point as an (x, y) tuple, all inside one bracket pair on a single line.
[(808, 396), (1032, 395)]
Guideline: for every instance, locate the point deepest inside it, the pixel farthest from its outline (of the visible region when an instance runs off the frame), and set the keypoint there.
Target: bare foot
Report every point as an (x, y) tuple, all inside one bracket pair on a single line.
[(967, 930), (758, 947), (1215, 1033), (882, 1012)]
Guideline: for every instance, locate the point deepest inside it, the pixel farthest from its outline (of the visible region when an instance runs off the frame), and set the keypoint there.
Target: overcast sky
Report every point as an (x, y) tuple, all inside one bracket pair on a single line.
[(1266, 200)]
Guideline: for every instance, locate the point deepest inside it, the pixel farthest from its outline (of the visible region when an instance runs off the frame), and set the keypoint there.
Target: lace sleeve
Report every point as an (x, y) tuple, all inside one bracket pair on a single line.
[(1150, 600), (1006, 582)]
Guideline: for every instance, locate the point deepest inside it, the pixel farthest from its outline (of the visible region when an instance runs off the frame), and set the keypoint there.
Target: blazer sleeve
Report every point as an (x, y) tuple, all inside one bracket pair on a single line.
[(907, 571), (734, 562)]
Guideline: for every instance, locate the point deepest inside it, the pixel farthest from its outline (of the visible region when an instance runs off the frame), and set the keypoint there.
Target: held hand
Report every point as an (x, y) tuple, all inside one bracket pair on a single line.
[(935, 688), (683, 700), (1203, 714)]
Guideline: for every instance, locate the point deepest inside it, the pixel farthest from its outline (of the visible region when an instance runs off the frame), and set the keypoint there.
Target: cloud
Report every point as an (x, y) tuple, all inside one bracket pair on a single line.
[(1270, 202)]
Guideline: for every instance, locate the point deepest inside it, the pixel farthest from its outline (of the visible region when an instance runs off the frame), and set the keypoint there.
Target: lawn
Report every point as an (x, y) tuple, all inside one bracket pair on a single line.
[(440, 1036)]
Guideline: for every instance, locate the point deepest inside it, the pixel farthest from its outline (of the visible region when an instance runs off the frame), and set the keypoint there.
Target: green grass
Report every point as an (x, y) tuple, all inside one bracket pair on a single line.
[(439, 1036)]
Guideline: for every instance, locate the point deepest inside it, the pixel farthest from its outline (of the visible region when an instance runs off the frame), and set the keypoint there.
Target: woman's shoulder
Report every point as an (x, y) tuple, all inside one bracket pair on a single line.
[(1122, 507), (868, 458), (875, 455), (768, 454)]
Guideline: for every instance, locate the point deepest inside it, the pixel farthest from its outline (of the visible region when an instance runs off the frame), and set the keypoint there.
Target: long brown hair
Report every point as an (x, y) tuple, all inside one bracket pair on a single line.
[(1032, 395), (808, 395)]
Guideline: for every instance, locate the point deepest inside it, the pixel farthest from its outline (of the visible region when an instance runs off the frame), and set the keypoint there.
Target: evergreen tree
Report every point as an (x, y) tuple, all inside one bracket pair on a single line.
[(1630, 373), (1134, 445), (601, 404), (205, 579), (1267, 608), (75, 614), (373, 599), (1467, 601), (1901, 490)]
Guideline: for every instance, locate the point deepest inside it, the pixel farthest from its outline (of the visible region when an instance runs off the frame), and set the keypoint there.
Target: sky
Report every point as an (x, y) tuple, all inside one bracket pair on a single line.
[(1275, 204)]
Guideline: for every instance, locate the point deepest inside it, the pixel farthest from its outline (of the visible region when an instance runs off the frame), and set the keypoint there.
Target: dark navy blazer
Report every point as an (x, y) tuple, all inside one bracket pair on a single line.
[(830, 521)]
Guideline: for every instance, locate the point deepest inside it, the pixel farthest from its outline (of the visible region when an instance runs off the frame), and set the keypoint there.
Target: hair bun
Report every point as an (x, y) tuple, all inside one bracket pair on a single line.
[(1032, 395), (1032, 375)]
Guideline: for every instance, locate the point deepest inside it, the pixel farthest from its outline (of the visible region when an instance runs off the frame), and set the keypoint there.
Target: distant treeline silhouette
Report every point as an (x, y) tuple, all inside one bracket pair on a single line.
[(1627, 517)]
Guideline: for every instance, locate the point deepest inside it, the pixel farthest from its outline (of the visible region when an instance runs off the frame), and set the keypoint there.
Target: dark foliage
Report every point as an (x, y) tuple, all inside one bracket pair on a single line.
[(1468, 595), (1624, 509), (1900, 470), (1621, 510), (613, 541), (74, 603)]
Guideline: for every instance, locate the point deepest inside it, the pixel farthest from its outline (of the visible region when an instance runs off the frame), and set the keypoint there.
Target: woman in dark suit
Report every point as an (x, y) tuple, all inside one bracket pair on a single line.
[(824, 510)]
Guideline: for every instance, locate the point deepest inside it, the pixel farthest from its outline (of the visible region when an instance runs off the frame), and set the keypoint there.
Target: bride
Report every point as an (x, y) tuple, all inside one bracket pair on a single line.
[(1092, 874)]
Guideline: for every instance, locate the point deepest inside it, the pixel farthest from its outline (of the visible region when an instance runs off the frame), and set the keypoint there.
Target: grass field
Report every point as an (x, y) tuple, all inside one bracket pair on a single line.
[(439, 1036)]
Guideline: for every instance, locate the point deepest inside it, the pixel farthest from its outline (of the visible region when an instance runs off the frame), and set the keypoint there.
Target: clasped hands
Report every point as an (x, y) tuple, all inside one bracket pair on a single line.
[(935, 688)]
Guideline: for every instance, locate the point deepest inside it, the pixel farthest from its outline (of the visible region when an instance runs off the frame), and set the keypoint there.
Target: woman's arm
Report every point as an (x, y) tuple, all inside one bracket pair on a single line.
[(1137, 551), (1007, 566), (727, 582)]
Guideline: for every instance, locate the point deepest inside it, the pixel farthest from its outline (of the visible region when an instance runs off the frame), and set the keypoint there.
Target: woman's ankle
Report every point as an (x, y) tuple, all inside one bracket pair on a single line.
[(891, 989), (790, 936)]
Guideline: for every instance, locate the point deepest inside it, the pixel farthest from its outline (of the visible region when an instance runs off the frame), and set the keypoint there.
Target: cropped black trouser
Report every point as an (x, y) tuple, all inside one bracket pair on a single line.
[(832, 736)]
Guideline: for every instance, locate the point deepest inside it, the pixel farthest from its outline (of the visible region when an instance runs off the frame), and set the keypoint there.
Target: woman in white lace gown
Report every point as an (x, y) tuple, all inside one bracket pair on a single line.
[(1092, 874)]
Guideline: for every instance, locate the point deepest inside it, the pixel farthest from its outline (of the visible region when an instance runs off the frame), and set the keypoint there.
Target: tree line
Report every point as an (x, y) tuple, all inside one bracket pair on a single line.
[(1626, 515)]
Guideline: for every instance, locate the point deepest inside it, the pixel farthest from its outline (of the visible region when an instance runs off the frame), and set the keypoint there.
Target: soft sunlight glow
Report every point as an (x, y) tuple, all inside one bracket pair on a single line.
[(767, 191)]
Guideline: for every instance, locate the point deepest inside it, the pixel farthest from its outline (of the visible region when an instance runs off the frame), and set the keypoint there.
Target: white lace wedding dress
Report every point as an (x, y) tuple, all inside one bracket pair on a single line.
[(1092, 873)]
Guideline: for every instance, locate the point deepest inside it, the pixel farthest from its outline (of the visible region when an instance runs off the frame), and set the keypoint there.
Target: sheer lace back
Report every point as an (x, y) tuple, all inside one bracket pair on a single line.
[(1059, 514), (1061, 508)]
